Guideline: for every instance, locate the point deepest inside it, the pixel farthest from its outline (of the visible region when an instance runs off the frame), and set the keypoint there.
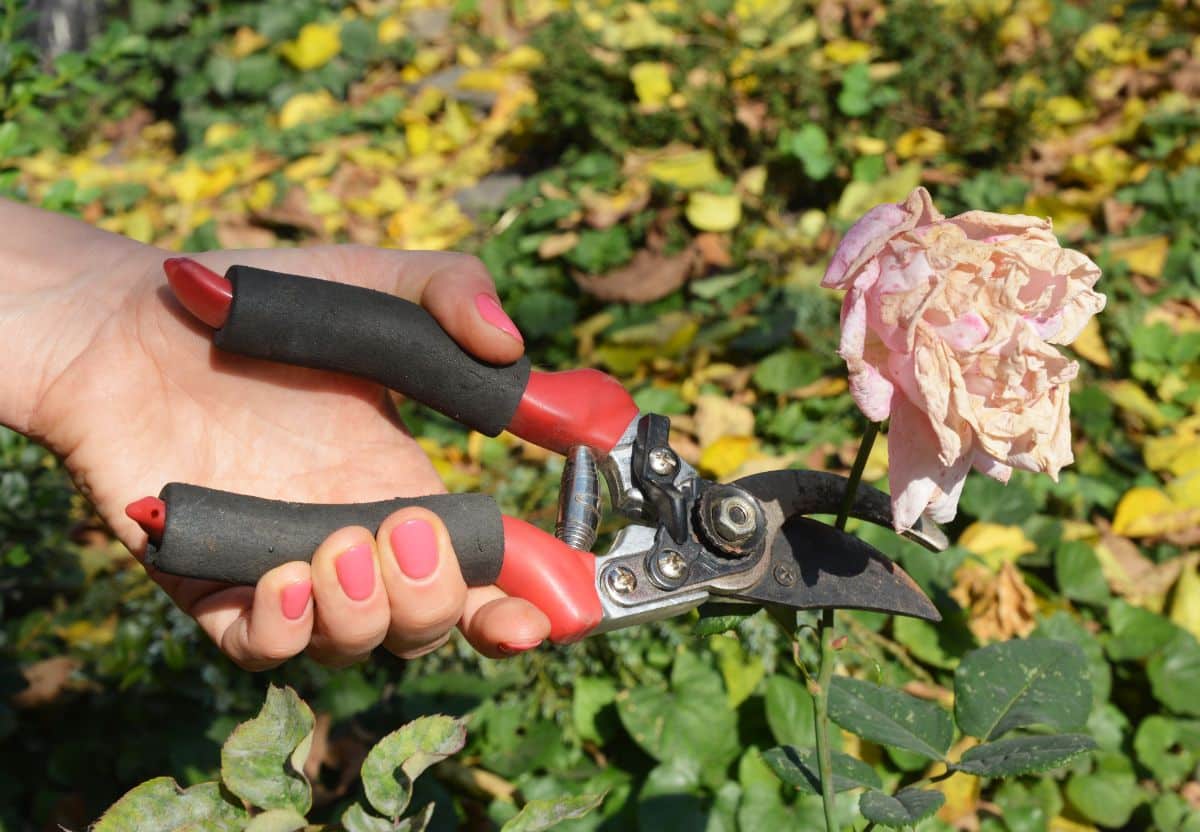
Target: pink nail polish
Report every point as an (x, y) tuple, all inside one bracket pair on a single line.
[(294, 599), (512, 648), (356, 571), (490, 310), (415, 546)]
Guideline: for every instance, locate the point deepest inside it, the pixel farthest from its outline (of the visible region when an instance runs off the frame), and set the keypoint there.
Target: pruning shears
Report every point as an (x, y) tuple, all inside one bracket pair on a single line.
[(690, 540)]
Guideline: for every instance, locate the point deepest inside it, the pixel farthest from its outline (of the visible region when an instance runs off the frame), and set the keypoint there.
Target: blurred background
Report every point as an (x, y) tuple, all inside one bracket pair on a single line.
[(656, 188)]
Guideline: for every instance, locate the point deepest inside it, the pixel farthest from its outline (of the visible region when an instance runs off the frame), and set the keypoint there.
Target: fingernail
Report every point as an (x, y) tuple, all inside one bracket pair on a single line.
[(294, 599), (490, 310), (356, 571), (512, 648), (415, 546)]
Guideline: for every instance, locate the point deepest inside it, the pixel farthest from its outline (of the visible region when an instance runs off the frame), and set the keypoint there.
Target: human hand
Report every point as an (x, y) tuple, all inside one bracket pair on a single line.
[(137, 396)]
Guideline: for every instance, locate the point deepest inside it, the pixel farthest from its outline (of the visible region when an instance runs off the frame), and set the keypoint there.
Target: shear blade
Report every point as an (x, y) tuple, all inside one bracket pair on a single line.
[(818, 492), (816, 566)]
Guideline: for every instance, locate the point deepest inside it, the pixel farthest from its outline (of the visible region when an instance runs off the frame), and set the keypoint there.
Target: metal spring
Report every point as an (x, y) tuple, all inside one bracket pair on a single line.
[(579, 500)]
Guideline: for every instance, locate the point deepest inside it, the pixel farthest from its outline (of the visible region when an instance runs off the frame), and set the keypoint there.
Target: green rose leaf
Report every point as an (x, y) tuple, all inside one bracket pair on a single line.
[(1019, 683), (1136, 632), (789, 712), (1023, 755), (262, 761), (905, 808), (798, 767), (1175, 674), (592, 695), (399, 758), (1109, 794), (1077, 570), (786, 370), (159, 805), (277, 820), (547, 814), (358, 819), (1168, 747), (890, 717), (691, 720)]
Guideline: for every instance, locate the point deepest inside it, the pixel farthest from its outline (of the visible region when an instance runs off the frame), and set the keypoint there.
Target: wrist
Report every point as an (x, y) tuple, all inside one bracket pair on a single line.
[(62, 280)]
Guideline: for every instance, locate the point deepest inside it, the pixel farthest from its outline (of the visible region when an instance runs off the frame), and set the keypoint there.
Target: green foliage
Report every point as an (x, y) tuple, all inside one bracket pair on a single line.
[(905, 808), (262, 761)]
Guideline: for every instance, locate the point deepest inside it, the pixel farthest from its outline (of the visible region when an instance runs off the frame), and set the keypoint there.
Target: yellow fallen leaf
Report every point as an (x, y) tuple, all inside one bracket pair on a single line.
[(718, 417), (88, 633), (1090, 345), (246, 41), (859, 197), (306, 106), (262, 195), (316, 45), (557, 245), (651, 82), (521, 59), (1185, 491), (687, 170), (846, 52), (220, 132), (1178, 453), (391, 29), (727, 454), (419, 138), (1131, 398), (868, 145), (1185, 606), (753, 180), (1149, 512), (1066, 110), (714, 212), (194, 183), (920, 143), (996, 543), (877, 462), (1062, 824), (1144, 255)]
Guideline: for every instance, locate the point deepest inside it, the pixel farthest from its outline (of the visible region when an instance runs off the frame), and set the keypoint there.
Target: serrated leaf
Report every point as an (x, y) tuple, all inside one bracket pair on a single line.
[(906, 807), (1023, 755), (1019, 683), (262, 761), (399, 758), (798, 767), (890, 717), (160, 805), (546, 814), (277, 820)]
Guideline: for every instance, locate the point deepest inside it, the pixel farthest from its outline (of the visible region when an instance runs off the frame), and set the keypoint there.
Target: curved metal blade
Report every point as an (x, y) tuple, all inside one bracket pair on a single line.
[(815, 566), (816, 492)]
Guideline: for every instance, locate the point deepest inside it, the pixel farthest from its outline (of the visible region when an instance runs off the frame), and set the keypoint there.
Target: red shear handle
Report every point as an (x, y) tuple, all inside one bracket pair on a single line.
[(558, 580), (349, 329)]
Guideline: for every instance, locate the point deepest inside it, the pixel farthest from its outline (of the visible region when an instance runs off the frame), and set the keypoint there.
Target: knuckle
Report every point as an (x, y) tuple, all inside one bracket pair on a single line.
[(406, 652), (466, 266), (432, 615)]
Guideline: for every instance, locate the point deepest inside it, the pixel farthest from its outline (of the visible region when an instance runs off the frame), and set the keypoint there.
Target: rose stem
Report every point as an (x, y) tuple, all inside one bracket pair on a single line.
[(825, 636)]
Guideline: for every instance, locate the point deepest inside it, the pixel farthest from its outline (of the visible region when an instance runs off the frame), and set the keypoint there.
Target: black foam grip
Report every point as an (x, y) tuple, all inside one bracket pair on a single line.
[(334, 326), (237, 539)]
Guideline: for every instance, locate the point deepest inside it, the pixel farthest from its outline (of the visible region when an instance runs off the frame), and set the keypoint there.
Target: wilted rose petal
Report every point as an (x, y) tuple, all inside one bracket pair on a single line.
[(947, 328)]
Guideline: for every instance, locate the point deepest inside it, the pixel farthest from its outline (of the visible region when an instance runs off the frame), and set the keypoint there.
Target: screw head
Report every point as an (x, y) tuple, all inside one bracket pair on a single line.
[(663, 461), (672, 565), (734, 519), (620, 580), (785, 575)]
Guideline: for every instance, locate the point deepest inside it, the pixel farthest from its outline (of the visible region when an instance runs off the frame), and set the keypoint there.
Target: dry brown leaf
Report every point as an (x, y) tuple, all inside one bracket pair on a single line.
[(318, 752), (46, 679), (1119, 216), (646, 278), (931, 692), (1131, 574), (714, 249), (1001, 606), (236, 233), (1190, 792), (557, 244)]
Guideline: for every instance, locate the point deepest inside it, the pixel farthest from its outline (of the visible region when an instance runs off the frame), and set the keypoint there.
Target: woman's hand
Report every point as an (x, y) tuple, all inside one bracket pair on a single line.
[(124, 385)]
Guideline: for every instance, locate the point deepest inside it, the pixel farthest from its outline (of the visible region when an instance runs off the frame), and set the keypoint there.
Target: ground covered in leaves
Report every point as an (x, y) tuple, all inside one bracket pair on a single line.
[(656, 188)]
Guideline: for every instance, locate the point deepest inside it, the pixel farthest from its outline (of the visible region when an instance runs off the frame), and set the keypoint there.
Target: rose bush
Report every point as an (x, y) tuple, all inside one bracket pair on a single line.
[(947, 328)]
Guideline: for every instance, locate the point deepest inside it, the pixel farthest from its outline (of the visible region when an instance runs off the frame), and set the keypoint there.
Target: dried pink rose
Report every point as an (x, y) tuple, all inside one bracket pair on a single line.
[(947, 328)]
